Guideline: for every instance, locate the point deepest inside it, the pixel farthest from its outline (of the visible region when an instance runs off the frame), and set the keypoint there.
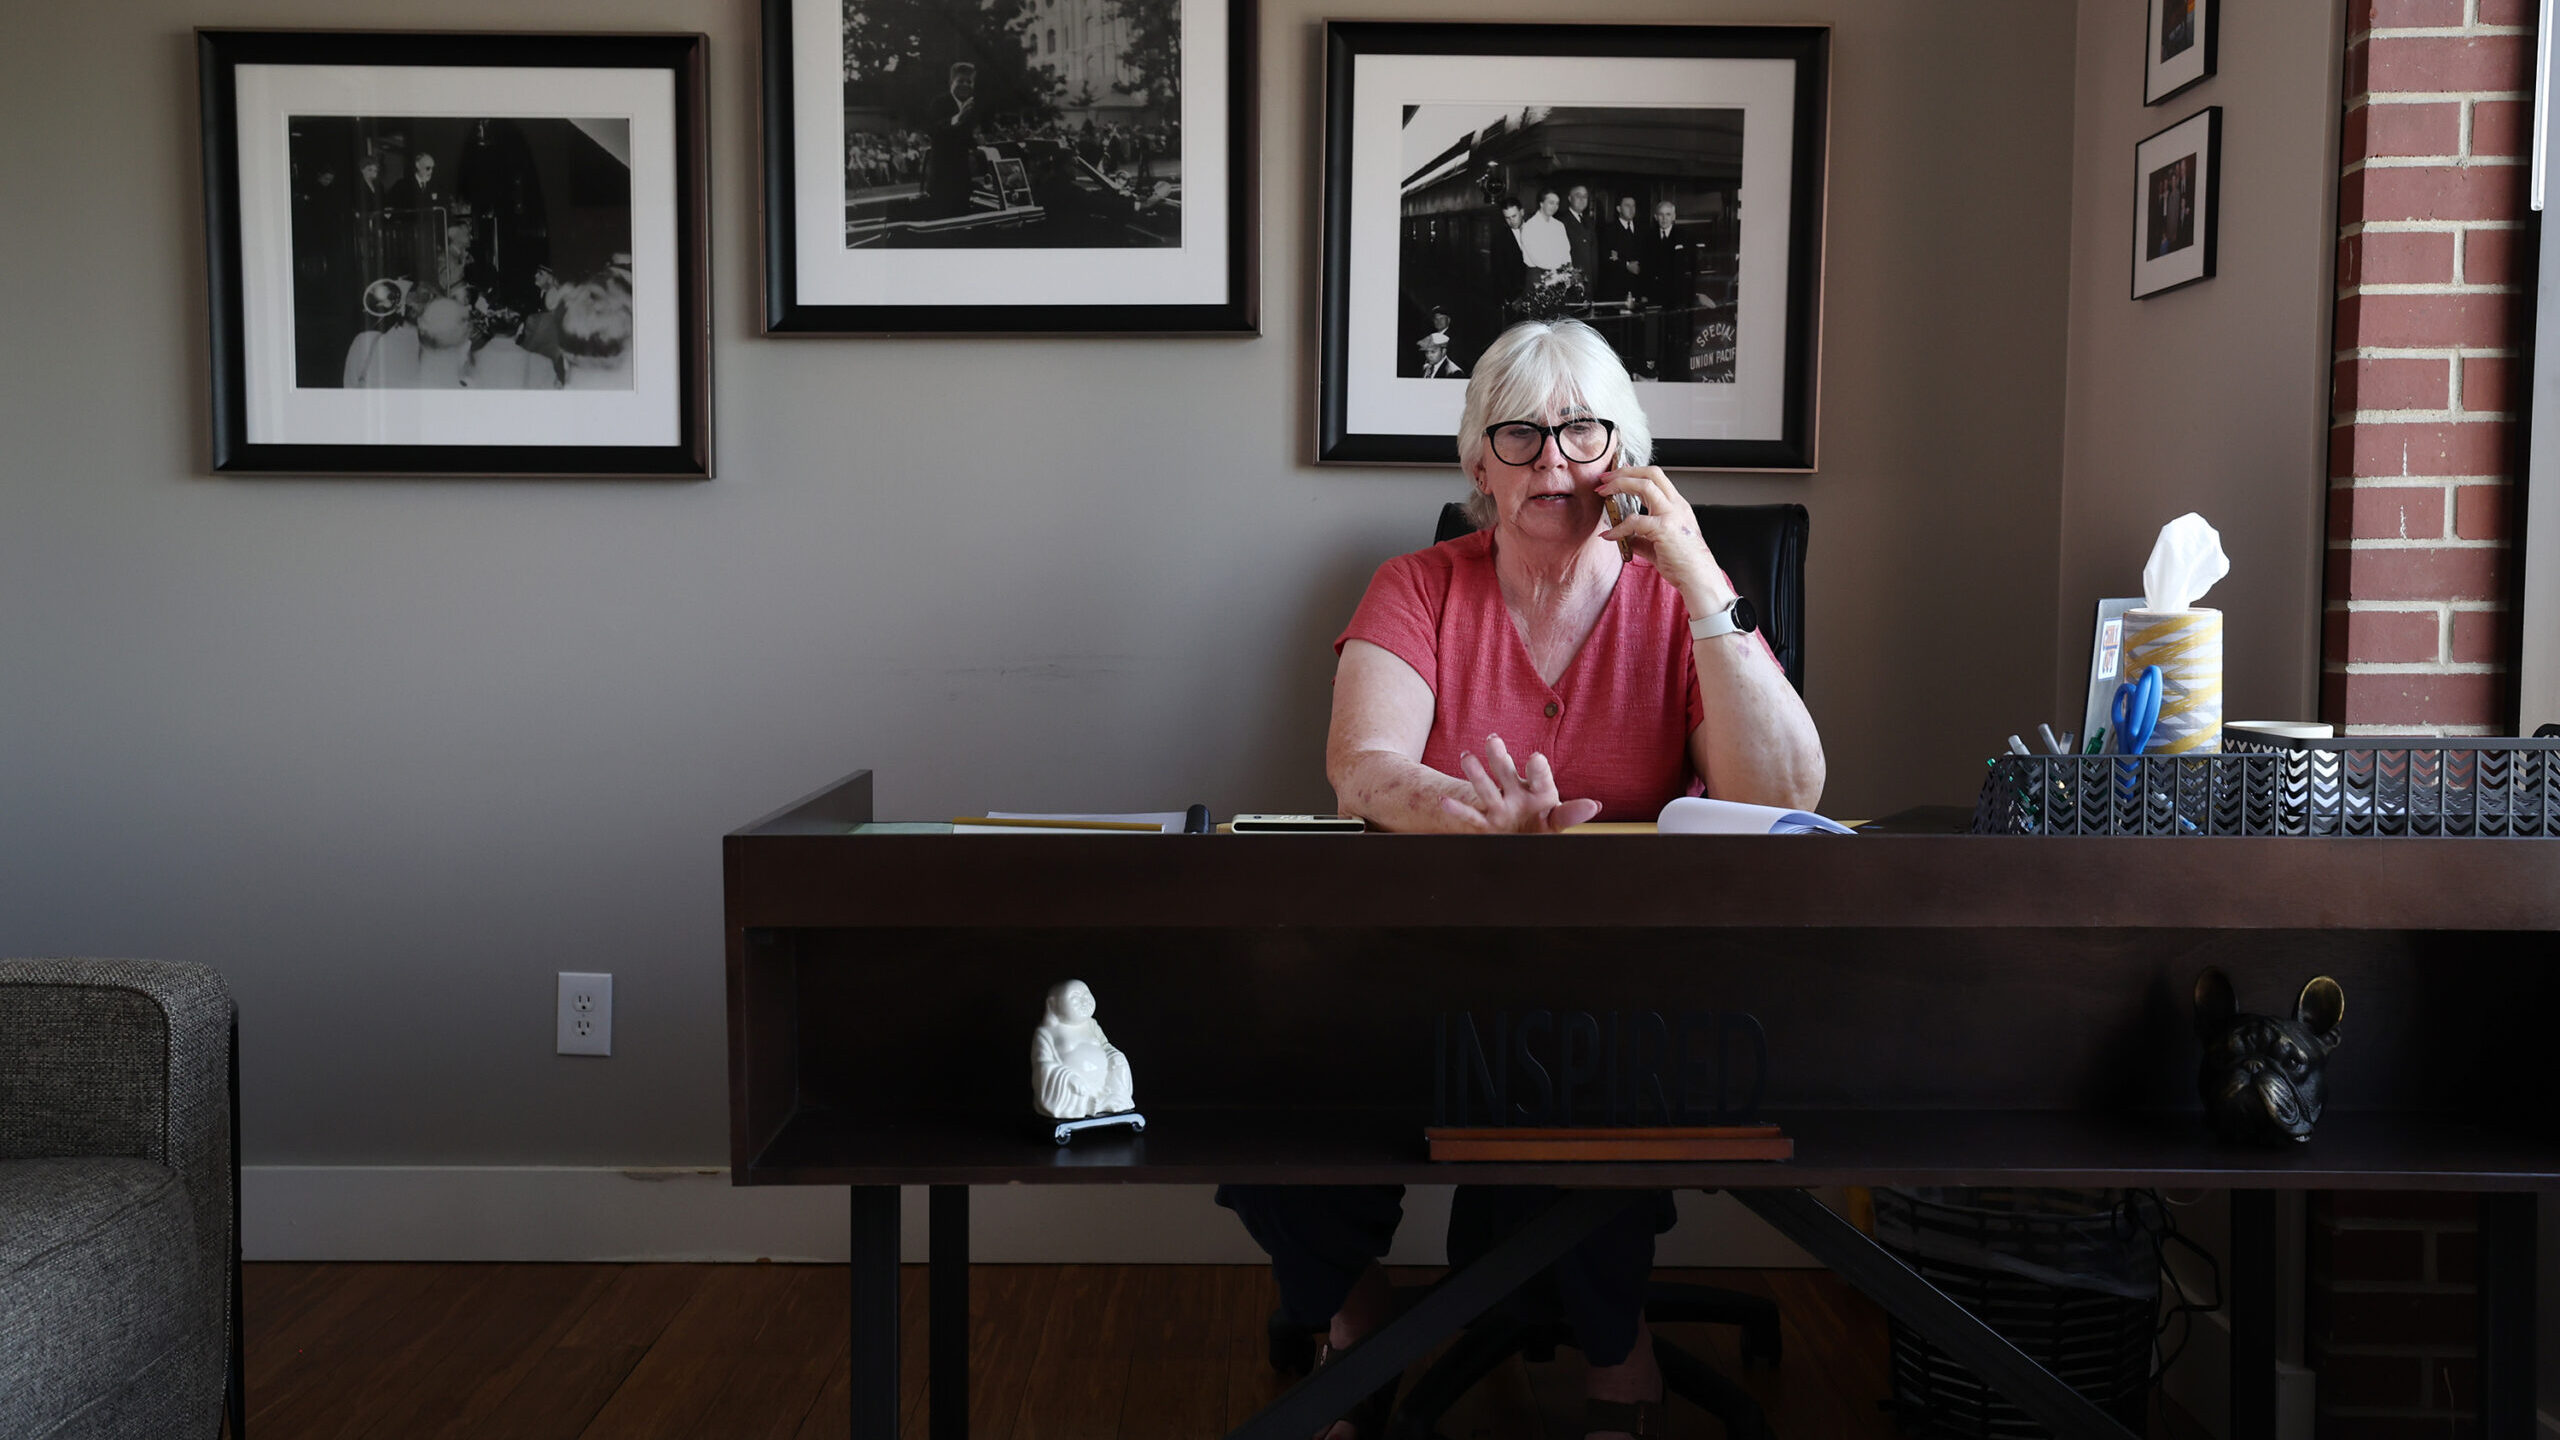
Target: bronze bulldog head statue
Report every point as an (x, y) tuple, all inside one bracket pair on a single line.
[(2261, 1077)]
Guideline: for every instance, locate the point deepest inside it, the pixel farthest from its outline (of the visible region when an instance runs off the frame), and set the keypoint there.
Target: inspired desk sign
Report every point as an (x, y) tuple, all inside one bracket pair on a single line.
[(1619, 1085)]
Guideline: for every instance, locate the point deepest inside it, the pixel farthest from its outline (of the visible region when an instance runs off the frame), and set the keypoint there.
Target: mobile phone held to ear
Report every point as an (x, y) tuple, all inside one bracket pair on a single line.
[(1619, 509), (1298, 825)]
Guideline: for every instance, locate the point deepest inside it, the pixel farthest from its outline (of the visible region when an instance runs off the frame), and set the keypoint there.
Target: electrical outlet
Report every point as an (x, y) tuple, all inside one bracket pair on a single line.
[(586, 1014)]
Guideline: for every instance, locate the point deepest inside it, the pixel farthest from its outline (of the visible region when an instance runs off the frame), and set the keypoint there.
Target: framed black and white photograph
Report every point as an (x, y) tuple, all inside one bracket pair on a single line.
[(1478, 175), (441, 254), (1009, 167), (2177, 203), (2178, 46)]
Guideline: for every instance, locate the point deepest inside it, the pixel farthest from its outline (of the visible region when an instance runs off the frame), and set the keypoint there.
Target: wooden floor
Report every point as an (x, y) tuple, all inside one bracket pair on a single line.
[(1145, 1352)]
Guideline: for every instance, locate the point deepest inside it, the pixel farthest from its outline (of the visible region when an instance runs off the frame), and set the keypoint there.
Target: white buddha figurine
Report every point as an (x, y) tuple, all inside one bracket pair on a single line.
[(1076, 1072)]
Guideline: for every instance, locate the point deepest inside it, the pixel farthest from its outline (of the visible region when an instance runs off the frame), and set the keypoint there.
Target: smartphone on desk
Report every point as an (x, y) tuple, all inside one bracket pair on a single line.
[(1297, 825)]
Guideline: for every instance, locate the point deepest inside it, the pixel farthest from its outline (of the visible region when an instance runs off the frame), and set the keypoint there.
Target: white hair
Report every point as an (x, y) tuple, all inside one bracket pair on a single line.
[(1537, 368), (444, 323), (595, 320)]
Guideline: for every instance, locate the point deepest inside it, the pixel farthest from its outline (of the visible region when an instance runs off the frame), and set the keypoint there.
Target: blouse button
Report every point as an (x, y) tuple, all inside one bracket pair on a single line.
[(1551, 709)]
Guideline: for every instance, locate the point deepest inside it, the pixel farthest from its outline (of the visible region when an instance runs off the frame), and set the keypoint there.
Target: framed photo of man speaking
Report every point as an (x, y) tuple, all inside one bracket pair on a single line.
[(1479, 175), (451, 254), (1009, 167)]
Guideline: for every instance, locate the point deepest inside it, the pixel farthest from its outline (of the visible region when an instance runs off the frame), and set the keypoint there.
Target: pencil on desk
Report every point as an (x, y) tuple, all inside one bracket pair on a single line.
[(1058, 824)]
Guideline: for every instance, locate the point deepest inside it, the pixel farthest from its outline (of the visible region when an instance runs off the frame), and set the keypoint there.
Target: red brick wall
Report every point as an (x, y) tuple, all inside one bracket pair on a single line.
[(2431, 325), (2392, 1314), (2418, 633)]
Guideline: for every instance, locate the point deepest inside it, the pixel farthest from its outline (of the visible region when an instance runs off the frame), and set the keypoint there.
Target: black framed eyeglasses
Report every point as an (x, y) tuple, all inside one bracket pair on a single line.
[(1582, 440)]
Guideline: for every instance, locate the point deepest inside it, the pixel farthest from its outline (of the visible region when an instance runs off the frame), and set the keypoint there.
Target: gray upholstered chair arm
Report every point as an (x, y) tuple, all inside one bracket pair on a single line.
[(122, 1057)]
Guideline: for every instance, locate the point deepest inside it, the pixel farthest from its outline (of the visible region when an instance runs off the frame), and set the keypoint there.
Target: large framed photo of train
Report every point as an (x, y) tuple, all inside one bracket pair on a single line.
[(447, 254), (1009, 167), (1662, 184)]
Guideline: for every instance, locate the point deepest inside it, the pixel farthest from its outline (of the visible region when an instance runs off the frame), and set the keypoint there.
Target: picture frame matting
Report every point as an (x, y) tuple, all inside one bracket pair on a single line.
[(1432, 128), (1039, 278), (334, 228), (2177, 204), (2181, 47)]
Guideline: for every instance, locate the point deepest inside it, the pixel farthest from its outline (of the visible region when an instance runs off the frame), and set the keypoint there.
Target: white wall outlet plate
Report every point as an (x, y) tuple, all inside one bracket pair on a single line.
[(586, 1014)]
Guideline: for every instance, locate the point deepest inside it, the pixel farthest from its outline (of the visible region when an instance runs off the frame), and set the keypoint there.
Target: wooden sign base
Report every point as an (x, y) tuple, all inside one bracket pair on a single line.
[(1632, 1142)]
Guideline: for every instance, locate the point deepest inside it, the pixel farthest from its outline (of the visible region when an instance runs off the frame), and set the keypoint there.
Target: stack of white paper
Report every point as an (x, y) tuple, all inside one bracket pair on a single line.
[(1168, 821), (1697, 815)]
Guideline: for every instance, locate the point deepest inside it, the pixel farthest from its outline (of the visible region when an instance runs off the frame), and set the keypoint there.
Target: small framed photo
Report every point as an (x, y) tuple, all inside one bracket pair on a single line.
[(1012, 167), (1479, 175), (2178, 46), (445, 254), (2177, 204)]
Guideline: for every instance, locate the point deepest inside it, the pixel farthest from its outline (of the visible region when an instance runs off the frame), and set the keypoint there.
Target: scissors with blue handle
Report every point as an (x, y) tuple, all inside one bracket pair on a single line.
[(2137, 711)]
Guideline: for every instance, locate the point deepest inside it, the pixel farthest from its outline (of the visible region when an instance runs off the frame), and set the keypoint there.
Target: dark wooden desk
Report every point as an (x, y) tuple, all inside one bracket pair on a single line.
[(1941, 1010)]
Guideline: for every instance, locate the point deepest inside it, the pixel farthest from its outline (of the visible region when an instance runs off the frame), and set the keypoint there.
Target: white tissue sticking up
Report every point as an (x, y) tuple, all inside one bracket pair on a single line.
[(2184, 563)]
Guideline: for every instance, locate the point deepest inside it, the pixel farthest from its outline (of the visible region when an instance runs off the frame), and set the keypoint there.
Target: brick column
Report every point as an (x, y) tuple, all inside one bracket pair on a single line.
[(2393, 1315), (2432, 323), (2433, 326)]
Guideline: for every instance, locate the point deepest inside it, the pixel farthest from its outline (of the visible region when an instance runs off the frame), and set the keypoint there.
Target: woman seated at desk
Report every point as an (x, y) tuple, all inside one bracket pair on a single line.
[(1625, 684)]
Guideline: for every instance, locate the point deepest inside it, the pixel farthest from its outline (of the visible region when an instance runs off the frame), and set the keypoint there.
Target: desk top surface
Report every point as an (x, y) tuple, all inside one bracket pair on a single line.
[(812, 865)]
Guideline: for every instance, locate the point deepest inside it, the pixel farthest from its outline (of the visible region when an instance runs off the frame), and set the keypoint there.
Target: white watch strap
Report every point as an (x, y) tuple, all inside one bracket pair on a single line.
[(1714, 626)]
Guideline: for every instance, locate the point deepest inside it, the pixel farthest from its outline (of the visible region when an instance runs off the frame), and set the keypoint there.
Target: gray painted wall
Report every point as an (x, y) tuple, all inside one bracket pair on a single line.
[(2214, 398), (391, 753)]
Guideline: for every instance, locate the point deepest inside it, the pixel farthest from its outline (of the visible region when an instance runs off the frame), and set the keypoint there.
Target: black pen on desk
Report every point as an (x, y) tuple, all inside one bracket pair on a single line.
[(1196, 820)]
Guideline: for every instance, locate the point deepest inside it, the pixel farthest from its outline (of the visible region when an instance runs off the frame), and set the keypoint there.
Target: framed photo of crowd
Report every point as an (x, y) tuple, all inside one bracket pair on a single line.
[(1479, 175), (2177, 204), (1009, 167), (468, 255)]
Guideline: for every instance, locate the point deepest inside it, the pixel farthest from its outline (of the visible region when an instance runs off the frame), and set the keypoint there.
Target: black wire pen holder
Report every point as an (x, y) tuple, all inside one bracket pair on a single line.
[(2497, 787)]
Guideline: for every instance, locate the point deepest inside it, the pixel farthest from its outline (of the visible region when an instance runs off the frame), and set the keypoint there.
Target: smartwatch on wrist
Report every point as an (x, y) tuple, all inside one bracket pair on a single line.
[(1733, 619)]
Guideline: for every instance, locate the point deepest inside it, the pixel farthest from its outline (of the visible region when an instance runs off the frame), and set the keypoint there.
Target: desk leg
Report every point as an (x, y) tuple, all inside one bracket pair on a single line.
[(2253, 1315), (2507, 1274), (1453, 1302), (948, 1343), (875, 1312), (1922, 1306)]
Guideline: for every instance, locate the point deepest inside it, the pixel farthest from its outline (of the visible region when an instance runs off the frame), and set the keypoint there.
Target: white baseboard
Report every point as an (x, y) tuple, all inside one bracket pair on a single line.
[(453, 1213)]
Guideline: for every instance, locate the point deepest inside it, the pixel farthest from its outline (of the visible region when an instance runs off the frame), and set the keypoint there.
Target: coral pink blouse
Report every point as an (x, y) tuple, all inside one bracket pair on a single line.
[(1615, 725)]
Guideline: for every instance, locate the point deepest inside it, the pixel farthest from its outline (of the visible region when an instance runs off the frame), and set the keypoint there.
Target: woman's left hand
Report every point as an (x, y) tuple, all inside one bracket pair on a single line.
[(1517, 799), (1668, 537)]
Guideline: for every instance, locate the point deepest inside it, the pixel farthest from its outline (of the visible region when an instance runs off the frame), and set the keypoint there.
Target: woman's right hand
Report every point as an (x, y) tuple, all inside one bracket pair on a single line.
[(1511, 799)]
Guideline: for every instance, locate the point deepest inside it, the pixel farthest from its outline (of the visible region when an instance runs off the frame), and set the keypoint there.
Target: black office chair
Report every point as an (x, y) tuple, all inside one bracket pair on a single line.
[(1760, 546)]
